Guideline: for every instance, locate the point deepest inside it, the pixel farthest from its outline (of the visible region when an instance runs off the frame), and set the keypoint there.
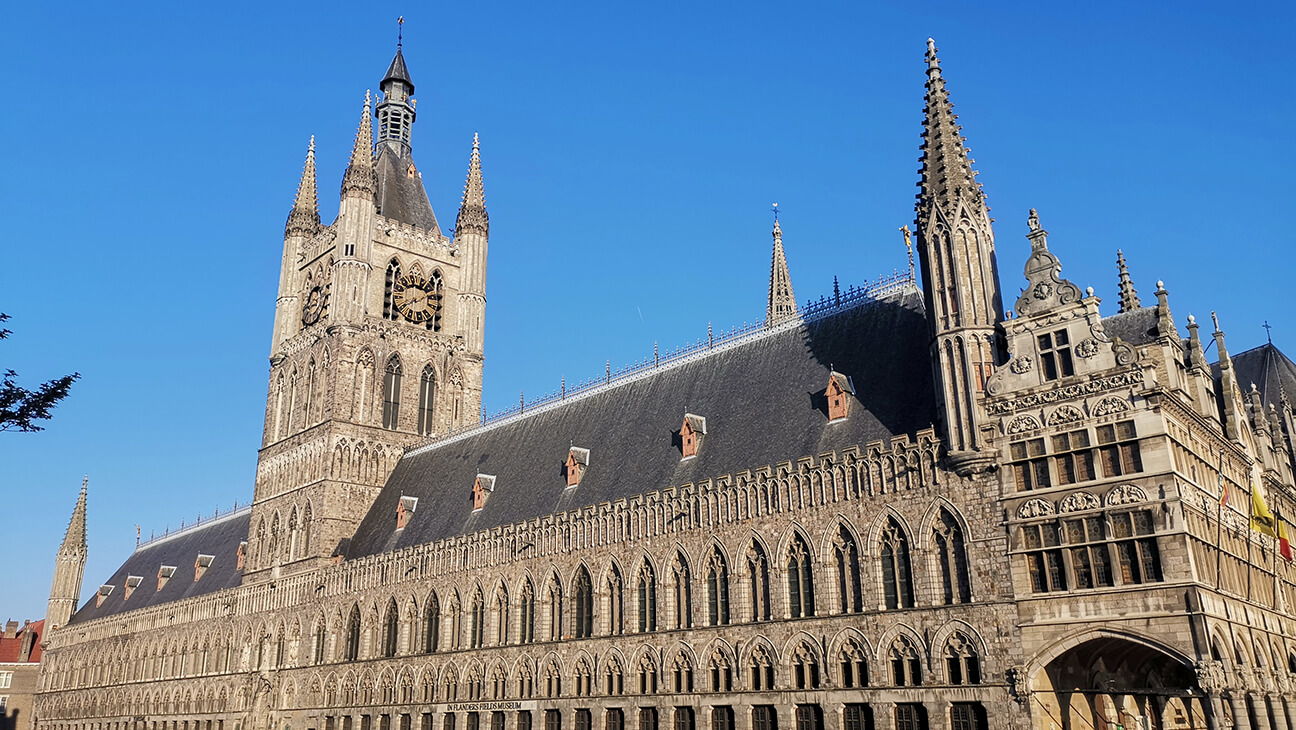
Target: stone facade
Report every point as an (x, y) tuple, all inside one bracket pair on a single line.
[(1054, 553)]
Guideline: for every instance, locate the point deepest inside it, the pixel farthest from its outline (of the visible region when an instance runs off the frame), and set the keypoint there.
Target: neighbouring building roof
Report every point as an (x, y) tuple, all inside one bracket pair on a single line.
[(219, 537), (1270, 370), (26, 640), (763, 400)]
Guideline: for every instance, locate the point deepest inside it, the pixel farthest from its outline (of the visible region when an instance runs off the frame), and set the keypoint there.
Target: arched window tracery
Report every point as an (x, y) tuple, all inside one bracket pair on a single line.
[(392, 393), (850, 593), (800, 577), (897, 578), (951, 554)]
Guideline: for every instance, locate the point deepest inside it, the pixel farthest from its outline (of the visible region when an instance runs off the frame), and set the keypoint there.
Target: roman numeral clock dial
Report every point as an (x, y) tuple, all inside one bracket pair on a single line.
[(415, 298)]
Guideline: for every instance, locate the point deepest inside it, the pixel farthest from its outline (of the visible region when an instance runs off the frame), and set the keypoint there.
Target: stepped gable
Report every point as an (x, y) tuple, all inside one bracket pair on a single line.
[(762, 398), (401, 195), (219, 537), (1272, 372), (1135, 327)]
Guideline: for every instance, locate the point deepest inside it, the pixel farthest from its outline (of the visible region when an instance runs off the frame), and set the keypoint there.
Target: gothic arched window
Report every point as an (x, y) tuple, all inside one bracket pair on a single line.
[(897, 579), (615, 603), (758, 582), (321, 634), (647, 599), (721, 672), (432, 625), (681, 593), (501, 615), (762, 669), (526, 609), (615, 676), (364, 378), (717, 578), (682, 670), (391, 393), (647, 675), (805, 668), (800, 578), (391, 629), (555, 606), (389, 305), (951, 553), (854, 665), (426, 401), (478, 628), (311, 400), (906, 667), (352, 650), (583, 593), (962, 663), (849, 592)]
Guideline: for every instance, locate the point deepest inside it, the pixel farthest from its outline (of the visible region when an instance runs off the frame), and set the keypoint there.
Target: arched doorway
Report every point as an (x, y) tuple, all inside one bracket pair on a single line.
[(1109, 681)]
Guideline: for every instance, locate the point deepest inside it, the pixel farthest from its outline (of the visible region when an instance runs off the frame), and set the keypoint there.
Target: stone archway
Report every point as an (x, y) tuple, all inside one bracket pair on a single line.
[(1103, 680)]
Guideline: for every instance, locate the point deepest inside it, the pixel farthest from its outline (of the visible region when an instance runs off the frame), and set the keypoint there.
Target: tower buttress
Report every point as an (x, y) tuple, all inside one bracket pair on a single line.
[(960, 275), (355, 225), (472, 234), (69, 566), (303, 222), (782, 302)]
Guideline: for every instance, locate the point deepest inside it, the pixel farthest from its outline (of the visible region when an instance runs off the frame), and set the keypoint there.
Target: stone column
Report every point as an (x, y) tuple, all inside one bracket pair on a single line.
[(1214, 712), (1261, 712), (1240, 721), (1280, 717)]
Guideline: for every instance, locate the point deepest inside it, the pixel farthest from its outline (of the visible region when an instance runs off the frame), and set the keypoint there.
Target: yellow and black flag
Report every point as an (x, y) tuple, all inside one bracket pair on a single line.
[(1262, 520)]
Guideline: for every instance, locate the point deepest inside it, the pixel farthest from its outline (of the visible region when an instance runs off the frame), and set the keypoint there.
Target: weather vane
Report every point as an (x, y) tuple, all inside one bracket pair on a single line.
[(775, 209), (400, 22)]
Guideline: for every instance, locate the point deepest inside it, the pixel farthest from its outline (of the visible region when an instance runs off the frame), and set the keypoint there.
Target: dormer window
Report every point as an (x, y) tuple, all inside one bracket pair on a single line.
[(482, 488), (577, 463), (691, 433), (132, 582), (404, 509), (241, 555), (104, 591), (164, 575), (1055, 355), (201, 565), (839, 391)]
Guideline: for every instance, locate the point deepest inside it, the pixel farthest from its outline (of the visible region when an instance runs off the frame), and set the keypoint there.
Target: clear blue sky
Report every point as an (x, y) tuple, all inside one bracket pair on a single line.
[(152, 152)]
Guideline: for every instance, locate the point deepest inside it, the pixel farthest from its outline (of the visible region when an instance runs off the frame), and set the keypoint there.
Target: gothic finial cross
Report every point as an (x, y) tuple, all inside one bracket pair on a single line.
[(400, 23), (1268, 334)]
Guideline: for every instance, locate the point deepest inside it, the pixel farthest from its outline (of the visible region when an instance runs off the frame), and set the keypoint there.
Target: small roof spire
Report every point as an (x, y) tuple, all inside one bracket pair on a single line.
[(472, 209), (360, 172), (1129, 300), (304, 216), (782, 302)]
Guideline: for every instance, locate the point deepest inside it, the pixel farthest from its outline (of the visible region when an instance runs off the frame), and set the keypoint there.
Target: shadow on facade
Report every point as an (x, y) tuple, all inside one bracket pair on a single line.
[(1112, 682)]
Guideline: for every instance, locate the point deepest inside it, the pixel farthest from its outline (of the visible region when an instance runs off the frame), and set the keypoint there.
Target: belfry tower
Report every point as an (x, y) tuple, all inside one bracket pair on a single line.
[(378, 338), (960, 276), (69, 566)]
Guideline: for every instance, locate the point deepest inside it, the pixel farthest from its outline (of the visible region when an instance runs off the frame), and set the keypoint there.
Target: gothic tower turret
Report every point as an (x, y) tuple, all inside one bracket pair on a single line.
[(782, 302), (960, 276), (472, 233), (377, 344), (69, 566)]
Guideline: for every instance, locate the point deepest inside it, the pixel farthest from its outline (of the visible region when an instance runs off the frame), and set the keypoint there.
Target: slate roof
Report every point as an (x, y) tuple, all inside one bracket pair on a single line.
[(763, 399), (1270, 370), (219, 537), (400, 196), (1136, 327), (398, 71)]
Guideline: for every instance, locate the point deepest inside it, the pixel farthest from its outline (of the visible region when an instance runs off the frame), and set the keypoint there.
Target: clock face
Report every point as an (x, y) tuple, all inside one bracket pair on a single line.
[(313, 307), (415, 298)]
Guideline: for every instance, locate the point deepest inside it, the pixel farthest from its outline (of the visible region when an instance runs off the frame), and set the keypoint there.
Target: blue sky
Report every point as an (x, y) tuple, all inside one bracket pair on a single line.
[(152, 151)]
